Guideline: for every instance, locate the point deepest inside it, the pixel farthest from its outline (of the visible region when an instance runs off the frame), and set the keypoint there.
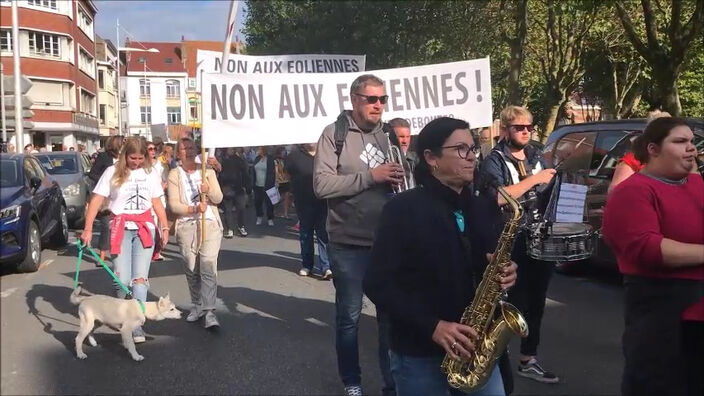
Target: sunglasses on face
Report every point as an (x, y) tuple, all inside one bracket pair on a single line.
[(521, 128), (151, 148), (371, 99), (464, 150)]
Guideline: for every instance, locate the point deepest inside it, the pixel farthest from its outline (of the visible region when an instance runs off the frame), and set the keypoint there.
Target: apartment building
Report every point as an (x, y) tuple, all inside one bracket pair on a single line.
[(108, 105), (154, 87), (57, 53)]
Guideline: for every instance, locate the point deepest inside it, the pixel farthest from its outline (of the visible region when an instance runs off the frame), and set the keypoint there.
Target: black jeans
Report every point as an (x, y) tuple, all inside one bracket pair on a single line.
[(529, 292), (312, 215), (261, 199), (231, 205)]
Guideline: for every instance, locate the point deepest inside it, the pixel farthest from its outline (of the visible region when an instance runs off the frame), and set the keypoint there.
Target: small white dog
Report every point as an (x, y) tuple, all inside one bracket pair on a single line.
[(125, 315)]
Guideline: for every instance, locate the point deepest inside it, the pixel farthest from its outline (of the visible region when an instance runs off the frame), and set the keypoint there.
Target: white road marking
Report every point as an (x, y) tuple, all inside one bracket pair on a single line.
[(316, 322), (248, 310), (8, 292), (46, 263)]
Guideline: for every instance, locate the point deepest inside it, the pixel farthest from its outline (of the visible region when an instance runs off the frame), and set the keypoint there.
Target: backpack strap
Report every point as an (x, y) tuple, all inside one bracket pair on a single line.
[(342, 126)]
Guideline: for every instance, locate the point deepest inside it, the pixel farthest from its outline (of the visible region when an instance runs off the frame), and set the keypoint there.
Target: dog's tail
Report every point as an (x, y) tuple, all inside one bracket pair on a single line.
[(76, 298)]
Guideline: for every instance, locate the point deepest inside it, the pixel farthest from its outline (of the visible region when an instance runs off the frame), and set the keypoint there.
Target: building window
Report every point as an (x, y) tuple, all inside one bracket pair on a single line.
[(103, 109), (43, 3), (85, 62), (193, 109), (172, 89), (101, 79), (5, 40), (146, 114), (85, 22), (144, 88), (141, 59), (173, 114), (169, 60), (44, 44), (87, 103), (191, 83)]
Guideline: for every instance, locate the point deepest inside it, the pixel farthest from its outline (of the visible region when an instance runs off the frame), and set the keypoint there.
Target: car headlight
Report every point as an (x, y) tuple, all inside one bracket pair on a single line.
[(11, 213), (73, 189)]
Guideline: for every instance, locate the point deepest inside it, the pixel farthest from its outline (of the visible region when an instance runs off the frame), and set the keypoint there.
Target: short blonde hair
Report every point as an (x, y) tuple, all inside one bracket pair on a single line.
[(656, 114), (510, 113)]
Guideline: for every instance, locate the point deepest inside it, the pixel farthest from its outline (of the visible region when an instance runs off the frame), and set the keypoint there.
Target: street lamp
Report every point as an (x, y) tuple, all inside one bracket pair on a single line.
[(119, 93)]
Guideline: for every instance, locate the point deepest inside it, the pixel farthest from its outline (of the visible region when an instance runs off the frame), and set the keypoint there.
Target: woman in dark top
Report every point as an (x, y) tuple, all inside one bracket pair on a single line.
[(654, 222), (427, 258), (235, 185), (105, 160)]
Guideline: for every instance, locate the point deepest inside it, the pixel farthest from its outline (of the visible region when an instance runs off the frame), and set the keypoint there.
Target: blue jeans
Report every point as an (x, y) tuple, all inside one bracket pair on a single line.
[(312, 217), (132, 263), (348, 264), (423, 376)]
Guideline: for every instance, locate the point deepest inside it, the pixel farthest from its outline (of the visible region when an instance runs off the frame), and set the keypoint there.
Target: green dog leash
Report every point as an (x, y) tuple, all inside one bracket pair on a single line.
[(97, 257)]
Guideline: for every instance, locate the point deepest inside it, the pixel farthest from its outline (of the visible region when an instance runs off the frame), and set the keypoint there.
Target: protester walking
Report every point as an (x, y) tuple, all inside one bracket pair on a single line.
[(264, 176), (351, 172), (131, 189), (312, 212), (201, 256), (236, 185)]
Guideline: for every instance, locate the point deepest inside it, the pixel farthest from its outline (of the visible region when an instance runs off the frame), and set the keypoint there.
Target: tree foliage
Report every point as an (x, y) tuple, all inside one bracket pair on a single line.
[(541, 50)]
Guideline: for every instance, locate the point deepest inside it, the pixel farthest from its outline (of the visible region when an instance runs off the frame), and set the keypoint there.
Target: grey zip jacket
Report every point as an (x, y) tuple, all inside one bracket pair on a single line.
[(355, 201)]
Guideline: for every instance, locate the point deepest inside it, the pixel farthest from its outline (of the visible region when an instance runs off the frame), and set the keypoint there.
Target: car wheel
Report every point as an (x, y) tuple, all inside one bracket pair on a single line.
[(60, 237), (33, 254)]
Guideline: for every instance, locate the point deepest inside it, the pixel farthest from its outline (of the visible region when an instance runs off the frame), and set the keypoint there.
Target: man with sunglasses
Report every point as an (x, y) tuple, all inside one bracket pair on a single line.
[(520, 167), (354, 177)]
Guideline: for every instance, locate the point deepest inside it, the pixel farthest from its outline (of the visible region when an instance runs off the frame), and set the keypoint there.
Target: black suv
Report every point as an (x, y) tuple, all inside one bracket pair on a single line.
[(588, 154)]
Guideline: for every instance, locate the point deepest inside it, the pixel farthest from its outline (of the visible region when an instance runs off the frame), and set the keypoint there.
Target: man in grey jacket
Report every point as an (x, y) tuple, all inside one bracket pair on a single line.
[(356, 181)]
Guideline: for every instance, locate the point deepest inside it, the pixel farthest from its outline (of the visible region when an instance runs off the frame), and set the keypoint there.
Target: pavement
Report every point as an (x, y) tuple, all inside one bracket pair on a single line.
[(276, 335)]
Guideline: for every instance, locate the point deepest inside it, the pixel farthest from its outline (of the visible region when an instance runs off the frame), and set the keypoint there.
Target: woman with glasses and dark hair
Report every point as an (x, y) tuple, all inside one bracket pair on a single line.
[(654, 222), (429, 250), (201, 257)]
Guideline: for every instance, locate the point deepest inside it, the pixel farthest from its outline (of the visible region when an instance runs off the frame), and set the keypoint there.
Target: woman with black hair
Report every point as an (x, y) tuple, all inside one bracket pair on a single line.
[(654, 222), (427, 258)]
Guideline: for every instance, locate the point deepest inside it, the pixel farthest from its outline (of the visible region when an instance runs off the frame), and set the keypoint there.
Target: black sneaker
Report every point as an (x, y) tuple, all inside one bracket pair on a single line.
[(534, 371)]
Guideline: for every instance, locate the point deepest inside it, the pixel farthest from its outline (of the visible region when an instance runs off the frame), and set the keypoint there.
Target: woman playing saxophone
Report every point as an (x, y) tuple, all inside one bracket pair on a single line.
[(427, 256)]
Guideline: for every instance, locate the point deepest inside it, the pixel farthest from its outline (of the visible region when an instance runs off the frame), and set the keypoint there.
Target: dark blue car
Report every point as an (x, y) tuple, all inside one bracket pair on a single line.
[(32, 211)]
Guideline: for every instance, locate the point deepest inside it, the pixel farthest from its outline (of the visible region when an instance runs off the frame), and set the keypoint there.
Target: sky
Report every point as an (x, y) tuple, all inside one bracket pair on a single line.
[(160, 20)]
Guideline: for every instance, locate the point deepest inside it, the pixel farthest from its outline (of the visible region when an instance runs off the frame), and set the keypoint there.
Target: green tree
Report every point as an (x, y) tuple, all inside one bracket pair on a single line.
[(557, 42), (663, 35)]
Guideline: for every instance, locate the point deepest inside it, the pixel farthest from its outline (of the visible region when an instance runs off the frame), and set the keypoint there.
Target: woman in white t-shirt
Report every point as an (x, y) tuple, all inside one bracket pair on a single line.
[(185, 187), (132, 188)]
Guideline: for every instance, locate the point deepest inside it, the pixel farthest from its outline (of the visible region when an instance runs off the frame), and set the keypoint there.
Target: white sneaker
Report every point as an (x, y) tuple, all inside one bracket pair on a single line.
[(354, 390), (228, 234), (327, 275), (259, 221), (270, 222), (242, 231), (303, 272)]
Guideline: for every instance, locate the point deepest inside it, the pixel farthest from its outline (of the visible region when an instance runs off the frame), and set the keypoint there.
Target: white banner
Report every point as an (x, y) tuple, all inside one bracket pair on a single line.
[(259, 109), (211, 62)]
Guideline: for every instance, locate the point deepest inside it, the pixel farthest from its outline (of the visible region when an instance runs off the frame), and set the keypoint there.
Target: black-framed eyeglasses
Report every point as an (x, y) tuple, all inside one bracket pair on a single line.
[(521, 128), (371, 99), (464, 150)]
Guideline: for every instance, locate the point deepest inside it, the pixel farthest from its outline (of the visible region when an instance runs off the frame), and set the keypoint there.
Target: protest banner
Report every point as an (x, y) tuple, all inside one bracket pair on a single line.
[(269, 109), (211, 62)]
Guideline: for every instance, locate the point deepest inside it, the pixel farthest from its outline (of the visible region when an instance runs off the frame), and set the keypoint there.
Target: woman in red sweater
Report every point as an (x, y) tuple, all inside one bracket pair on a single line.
[(654, 222)]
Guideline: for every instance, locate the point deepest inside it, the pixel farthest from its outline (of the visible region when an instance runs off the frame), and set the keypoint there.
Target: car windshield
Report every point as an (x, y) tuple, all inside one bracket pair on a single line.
[(59, 164), (9, 173)]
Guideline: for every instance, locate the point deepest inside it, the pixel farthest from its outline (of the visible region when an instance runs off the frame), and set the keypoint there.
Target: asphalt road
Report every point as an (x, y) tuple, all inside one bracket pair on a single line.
[(276, 334)]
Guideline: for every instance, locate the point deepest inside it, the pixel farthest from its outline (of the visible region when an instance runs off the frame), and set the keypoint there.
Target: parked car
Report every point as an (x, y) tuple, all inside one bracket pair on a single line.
[(588, 154), (70, 170), (33, 211)]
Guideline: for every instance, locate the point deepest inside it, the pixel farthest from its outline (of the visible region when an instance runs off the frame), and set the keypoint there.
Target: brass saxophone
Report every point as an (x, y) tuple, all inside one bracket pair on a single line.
[(494, 329)]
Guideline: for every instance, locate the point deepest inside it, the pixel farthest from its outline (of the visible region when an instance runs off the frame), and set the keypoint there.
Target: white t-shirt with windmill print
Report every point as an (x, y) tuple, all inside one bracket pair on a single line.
[(190, 190), (134, 196)]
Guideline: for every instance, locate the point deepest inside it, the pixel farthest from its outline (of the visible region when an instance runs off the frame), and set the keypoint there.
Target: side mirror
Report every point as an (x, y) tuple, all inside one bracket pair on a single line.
[(34, 183)]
